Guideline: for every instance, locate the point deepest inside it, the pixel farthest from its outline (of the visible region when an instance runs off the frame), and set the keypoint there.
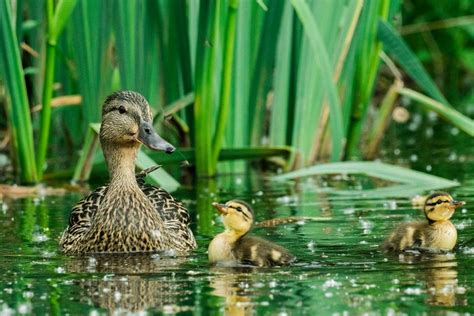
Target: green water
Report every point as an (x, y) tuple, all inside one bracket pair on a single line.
[(340, 268)]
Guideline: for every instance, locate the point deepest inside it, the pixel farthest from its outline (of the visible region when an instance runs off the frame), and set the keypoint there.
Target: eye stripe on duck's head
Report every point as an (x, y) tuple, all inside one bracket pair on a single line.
[(242, 208), (440, 206)]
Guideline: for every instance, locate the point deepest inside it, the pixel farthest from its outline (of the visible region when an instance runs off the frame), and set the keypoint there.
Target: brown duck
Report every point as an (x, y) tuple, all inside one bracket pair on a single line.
[(235, 246), (437, 233), (127, 215)]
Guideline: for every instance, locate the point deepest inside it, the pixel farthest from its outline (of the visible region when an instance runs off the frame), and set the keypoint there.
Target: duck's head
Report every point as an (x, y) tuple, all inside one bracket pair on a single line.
[(237, 216), (440, 206), (127, 122)]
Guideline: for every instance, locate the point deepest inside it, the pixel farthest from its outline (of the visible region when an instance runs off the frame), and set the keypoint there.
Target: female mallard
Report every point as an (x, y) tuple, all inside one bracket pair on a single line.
[(235, 246), (435, 234), (127, 215)]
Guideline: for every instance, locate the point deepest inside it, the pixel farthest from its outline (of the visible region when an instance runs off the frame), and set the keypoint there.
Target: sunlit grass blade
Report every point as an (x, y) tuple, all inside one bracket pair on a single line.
[(459, 120), (412, 181), (18, 110)]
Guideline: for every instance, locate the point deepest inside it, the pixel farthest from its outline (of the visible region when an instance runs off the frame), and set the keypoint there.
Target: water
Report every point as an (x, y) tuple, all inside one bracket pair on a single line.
[(340, 269)]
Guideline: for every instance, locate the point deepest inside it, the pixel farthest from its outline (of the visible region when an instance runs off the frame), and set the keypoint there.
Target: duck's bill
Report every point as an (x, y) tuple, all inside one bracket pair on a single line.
[(456, 204), (148, 137), (220, 208)]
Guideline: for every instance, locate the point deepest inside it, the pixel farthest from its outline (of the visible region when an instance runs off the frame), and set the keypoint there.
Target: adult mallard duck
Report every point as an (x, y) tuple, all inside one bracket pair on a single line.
[(235, 246), (437, 233), (127, 215)]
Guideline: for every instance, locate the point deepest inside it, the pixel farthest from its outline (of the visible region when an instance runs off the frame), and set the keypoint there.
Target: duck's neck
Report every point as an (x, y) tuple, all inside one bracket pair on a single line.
[(233, 235), (121, 165)]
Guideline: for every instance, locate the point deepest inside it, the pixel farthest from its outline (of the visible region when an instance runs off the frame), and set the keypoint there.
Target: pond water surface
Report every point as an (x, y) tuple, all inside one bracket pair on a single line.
[(340, 268)]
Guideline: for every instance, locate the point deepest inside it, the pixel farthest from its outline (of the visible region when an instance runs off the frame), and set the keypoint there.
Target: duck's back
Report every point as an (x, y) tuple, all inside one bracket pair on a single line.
[(260, 252), (174, 216)]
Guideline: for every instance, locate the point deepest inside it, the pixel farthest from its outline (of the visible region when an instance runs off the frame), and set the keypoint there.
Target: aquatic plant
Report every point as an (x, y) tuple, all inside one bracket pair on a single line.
[(225, 78)]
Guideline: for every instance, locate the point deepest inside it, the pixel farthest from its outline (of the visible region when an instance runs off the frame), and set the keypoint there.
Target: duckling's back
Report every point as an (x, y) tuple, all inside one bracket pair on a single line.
[(441, 235), (260, 252)]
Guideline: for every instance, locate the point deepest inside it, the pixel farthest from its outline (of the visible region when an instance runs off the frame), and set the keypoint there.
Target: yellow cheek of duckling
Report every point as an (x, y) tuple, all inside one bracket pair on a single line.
[(441, 213)]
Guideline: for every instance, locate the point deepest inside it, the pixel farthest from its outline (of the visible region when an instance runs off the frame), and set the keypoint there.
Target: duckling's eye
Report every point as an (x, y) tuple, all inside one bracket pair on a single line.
[(122, 109), (239, 209), (440, 202)]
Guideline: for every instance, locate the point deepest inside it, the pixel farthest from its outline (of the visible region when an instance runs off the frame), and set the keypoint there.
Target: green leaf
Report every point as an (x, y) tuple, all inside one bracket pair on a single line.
[(399, 50), (323, 61), (412, 181)]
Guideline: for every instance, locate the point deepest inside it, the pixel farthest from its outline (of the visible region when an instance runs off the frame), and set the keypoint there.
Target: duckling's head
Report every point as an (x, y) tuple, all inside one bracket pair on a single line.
[(127, 122), (237, 216), (440, 206)]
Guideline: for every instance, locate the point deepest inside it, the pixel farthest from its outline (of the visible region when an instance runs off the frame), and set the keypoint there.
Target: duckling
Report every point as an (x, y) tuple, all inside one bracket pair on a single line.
[(235, 246), (435, 234), (127, 215)]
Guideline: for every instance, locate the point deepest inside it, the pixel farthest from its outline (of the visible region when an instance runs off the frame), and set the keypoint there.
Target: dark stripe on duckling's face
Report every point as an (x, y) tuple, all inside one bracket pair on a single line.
[(440, 206), (241, 208)]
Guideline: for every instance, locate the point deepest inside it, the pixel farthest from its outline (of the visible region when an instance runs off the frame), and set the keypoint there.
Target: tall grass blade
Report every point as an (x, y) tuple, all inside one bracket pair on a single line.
[(323, 61), (56, 20), (396, 46), (225, 94), (459, 120), (18, 110)]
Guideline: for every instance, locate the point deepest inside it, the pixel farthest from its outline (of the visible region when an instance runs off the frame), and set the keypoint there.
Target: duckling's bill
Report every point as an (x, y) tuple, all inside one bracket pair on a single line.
[(456, 204), (221, 208)]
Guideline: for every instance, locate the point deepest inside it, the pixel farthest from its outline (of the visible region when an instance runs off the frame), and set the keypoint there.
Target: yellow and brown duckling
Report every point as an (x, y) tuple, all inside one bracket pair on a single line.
[(127, 215), (435, 234), (235, 246)]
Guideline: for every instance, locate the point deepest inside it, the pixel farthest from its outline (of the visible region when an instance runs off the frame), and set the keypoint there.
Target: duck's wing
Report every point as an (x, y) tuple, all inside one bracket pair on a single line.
[(262, 253), (173, 213), (81, 215)]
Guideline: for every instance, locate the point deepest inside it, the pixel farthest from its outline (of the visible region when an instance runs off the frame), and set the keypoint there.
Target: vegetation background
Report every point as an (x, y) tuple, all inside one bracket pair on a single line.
[(294, 82)]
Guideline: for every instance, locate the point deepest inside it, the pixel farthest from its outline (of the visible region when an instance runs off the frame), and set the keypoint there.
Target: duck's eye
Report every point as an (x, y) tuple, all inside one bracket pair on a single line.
[(122, 109), (440, 202), (239, 209)]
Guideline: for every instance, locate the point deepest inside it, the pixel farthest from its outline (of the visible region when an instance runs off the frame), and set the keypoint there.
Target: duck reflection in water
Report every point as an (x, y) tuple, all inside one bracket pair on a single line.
[(232, 283), (131, 283), (441, 277)]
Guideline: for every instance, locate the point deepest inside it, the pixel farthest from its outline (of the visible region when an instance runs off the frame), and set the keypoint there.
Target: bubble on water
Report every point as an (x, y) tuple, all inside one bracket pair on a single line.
[(259, 193), (8, 290), (428, 168), (396, 281), (24, 308), (454, 131), (328, 294), (272, 284), (468, 251), (460, 290), (117, 296), (4, 207), (60, 270), (238, 180), (94, 313), (413, 158), (311, 245), (349, 211), (366, 226), (39, 237), (429, 132), (452, 156), (28, 294), (6, 310), (396, 152), (331, 283), (391, 205), (413, 291)]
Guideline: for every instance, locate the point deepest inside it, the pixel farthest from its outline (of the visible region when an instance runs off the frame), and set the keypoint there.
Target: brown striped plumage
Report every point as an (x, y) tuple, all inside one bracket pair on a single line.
[(437, 233), (235, 246), (127, 215)]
